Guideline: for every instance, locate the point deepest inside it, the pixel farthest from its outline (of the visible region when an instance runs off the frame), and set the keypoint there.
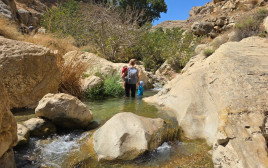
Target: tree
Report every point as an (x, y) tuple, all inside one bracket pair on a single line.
[(149, 9)]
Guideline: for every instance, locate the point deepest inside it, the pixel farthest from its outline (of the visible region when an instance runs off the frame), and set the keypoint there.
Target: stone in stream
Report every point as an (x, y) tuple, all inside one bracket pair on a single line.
[(8, 131), (28, 72), (64, 110), (23, 135), (39, 127), (223, 98), (126, 136)]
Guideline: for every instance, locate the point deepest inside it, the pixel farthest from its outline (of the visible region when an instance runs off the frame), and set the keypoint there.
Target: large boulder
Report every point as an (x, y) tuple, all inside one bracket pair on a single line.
[(107, 68), (201, 28), (223, 98), (8, 130), (126, 136), (64, 110), (28, 72)]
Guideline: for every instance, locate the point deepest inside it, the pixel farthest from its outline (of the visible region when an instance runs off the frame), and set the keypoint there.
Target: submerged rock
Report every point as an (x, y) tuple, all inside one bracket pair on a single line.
[(8, 131), (28, 72), (223, 98), (39, 127), (126, 136), (64, 110)]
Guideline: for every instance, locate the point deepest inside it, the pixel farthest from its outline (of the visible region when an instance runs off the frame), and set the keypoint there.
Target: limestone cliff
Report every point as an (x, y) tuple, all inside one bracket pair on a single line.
[(223, 98)]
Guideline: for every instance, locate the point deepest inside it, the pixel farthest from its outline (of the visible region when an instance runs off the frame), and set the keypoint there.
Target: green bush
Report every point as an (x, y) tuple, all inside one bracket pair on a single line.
[(250, 25), (173, 45), (111, 88), (208, 52), (104, 31), (95, 93)]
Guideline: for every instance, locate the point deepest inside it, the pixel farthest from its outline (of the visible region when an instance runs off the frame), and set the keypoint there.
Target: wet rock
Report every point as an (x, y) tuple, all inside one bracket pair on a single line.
[(23, 135), (91, 82), (126, 136), (39, 127), (64, 110), (223, 98), (28, 72)]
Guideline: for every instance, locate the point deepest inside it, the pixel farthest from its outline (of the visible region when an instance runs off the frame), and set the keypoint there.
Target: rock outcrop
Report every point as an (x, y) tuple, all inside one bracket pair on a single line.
[(28, 72), (64, 110), (24, 12), (8, 131), (171, 24), (166, 73), (8, 9), (126, 136), (222, 14), (107, 68), (223, 98)]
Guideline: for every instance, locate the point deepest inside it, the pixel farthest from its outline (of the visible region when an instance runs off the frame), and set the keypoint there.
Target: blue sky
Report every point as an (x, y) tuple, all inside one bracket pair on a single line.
[(179, 9)]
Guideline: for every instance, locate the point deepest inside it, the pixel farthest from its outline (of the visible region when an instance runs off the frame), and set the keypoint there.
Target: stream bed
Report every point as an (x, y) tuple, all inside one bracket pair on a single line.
[(70, 149)]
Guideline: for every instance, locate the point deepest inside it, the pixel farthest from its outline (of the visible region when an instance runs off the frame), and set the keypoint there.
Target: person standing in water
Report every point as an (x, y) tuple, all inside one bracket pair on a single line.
[(131, 78)]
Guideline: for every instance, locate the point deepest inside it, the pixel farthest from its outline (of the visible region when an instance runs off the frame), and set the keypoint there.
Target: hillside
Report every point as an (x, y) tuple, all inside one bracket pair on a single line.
[(217, 16)]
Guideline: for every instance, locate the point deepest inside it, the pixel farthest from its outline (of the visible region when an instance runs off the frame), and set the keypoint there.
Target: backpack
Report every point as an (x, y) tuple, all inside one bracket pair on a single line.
[(132, 76)]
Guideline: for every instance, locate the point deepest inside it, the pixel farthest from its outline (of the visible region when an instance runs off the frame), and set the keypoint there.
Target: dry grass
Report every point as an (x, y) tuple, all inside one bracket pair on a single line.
[(10, 30), (71, 72), (62, 45)]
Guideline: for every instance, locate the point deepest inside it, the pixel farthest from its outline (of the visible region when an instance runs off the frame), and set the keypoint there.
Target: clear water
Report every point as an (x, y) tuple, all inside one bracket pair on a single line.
[(70, 149)]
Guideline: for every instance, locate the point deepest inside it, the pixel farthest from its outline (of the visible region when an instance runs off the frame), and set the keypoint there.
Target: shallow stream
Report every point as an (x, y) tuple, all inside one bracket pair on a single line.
[(70, 149)]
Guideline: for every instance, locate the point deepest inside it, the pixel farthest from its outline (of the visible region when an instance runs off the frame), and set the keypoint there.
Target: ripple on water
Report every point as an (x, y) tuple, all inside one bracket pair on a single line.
[(56, 150)]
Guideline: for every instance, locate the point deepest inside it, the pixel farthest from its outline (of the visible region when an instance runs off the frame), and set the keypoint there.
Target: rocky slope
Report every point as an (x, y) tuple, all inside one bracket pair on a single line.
[(8, 131), (216, 16), (223, 98), (28, 72), (25, 12)]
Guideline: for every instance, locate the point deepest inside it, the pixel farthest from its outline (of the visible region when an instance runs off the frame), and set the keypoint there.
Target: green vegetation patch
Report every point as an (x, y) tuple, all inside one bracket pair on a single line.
[(112, 88), (208, 52), (250, 25)]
